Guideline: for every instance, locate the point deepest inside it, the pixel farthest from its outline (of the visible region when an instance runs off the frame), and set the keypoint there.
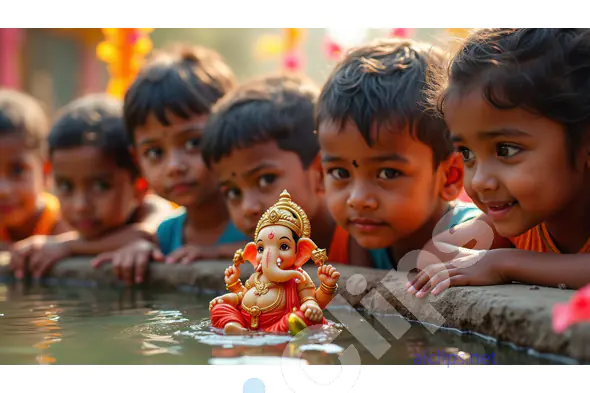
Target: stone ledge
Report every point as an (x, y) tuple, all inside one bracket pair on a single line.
[(519, 314)]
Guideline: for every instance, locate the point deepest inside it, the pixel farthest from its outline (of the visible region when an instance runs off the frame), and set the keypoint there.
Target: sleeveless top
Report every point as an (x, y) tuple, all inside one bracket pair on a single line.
[(538, 239), (170, 233), (50, 216)]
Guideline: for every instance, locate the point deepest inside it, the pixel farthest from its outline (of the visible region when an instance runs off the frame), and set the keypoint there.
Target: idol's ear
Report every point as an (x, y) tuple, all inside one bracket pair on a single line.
[(250, 254), (305, 247)]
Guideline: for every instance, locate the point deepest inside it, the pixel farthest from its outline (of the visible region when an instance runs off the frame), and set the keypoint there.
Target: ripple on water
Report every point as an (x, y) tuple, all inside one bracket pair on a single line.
[(316, 338), (162, 317)]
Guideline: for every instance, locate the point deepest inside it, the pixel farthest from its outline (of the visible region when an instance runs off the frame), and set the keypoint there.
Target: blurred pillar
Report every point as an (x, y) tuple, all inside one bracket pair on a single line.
[(10, 50), (89, 71)]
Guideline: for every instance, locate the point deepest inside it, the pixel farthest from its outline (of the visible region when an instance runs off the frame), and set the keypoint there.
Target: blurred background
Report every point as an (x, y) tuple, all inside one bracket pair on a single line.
[(59, 65)]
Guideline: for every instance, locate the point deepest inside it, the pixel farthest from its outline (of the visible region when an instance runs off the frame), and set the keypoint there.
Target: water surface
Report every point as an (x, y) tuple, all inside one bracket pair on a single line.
[(74, 325)]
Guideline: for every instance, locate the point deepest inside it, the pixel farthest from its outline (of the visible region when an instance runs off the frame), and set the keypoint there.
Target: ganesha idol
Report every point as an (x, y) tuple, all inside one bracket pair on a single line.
[(279, 296)]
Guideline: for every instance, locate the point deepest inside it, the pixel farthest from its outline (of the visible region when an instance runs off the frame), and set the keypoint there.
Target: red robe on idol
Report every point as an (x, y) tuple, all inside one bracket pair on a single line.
[(272, 321)]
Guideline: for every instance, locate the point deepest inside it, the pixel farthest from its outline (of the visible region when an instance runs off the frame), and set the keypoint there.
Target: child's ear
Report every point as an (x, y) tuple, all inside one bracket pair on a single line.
[(47, 178), (133, 154), (452, 171), (141, 188), (317, 174)]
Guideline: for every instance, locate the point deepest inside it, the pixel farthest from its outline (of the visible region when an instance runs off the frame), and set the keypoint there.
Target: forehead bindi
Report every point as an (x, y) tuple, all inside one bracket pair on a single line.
[(274, 232)]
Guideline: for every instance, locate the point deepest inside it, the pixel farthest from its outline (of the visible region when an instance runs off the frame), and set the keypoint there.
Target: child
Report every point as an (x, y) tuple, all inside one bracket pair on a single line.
[(260, 141), (517, 102), (100, 192), (26, 209), (165, 112), (391, 173)]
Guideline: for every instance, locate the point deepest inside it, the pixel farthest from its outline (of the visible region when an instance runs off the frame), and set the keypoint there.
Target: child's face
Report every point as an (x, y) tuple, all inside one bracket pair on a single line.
[(252, 179), (171, 162), (21, 181), (381, 194), (517, 165), (96, 196)]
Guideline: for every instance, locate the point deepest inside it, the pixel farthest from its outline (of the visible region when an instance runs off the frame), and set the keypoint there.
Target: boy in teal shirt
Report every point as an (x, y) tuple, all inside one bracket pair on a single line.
[(391, 174), (165, 110)]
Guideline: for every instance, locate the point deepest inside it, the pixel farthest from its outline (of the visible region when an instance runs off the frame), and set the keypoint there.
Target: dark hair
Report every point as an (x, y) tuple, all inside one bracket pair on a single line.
[(22, 114), (274, 108), (544, 71), (384, 84), (184, 80), (94, 120)]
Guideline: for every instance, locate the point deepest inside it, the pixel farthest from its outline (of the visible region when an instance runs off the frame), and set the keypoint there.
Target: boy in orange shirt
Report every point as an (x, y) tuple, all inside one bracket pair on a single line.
[(26, 208), (102, 197)]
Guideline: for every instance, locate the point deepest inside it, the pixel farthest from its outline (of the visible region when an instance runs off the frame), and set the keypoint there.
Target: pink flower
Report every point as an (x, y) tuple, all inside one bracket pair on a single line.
[(576, 311), (402, 32), (332, 49), (292, 61)]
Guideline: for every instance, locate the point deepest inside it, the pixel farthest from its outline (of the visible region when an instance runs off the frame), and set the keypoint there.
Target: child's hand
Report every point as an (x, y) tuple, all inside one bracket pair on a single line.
[(130, 262), (191, 253), (39, 254), (465, 270)]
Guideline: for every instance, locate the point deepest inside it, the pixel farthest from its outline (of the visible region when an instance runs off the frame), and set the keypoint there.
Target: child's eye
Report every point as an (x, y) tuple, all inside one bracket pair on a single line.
[(266, 180), (153, 153), (17, 169), (260, 250), (63, 187), (100, 185), (388, 173), (284, 247), (192, 144), (231, 193), (339, 173), (507, 151), (466, 153)]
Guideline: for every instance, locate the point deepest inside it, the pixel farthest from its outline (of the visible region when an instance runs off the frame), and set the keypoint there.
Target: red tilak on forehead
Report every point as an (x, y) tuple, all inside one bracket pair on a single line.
[(271, 235)]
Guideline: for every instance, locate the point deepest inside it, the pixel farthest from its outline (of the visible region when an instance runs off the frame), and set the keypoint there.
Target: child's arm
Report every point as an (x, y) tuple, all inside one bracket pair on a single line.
[(191, 253), (130, 262), (546, 269), (60, 227), (154, 210), (42, 252), (110, 242), (503, 266), (476, 234), (38, 254)]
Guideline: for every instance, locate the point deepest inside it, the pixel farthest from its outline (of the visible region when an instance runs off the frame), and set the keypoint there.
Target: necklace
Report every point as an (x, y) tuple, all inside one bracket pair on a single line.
[(261, 288)]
